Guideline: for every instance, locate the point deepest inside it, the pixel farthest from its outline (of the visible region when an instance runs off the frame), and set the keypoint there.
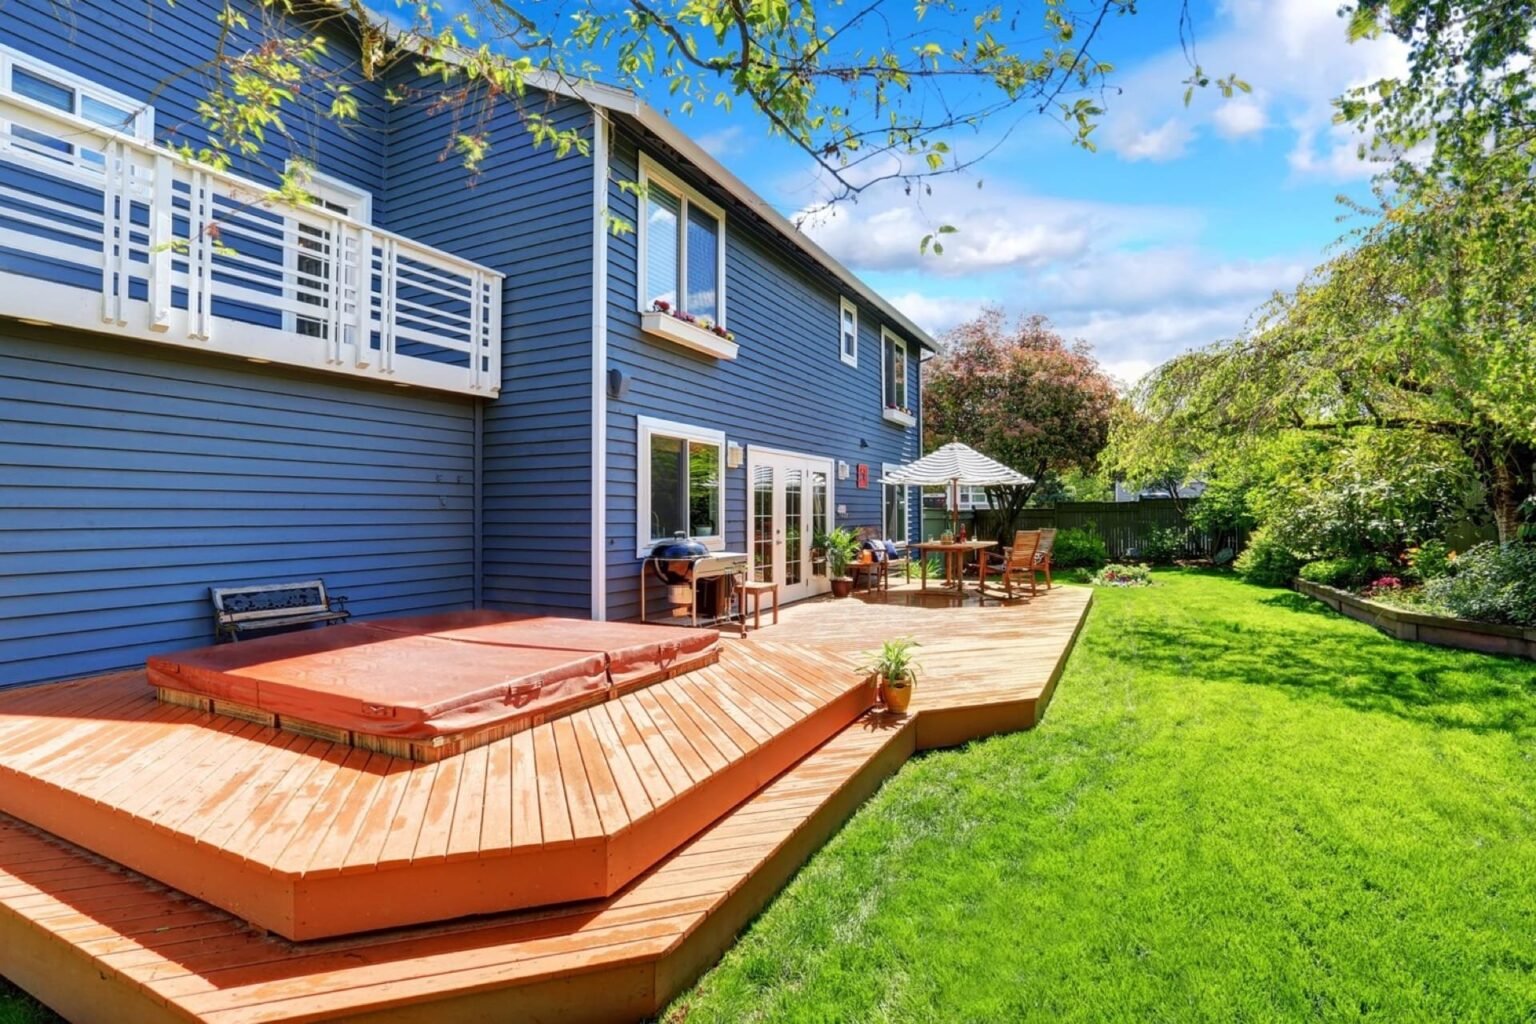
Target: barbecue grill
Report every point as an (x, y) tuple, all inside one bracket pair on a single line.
[(682, 564)]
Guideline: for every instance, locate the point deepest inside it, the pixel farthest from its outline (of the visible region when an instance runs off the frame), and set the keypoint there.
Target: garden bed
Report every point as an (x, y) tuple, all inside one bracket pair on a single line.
[(1442, 630)]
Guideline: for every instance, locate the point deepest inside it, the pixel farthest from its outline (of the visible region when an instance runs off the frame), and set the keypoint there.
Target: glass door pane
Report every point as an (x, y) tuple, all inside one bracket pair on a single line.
[(794, 532), (762, 523), (819, 521)]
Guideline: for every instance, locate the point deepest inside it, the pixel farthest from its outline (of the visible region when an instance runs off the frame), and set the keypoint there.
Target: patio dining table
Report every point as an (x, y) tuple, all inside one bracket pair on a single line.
[(955, 554)]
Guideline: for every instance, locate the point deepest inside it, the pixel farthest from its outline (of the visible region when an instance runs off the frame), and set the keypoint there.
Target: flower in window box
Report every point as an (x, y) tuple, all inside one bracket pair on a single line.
[(730, 336), (662, 306), (721, 332), (707, 323)]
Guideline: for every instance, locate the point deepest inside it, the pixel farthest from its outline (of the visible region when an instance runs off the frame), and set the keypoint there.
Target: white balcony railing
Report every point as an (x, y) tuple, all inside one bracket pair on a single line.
[(103, 232)]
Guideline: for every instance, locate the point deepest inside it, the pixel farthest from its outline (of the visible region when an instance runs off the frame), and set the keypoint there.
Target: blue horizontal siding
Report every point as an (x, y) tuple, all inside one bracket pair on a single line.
[(135, 478), (529, 215), (788, 388)]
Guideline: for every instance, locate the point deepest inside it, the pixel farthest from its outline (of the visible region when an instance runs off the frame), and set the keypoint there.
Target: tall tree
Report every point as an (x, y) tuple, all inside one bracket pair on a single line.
[(1020, 394), (1430, 339)]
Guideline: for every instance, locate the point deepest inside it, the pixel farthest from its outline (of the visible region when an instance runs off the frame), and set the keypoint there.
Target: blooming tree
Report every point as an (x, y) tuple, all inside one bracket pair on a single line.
[(1021, 394)]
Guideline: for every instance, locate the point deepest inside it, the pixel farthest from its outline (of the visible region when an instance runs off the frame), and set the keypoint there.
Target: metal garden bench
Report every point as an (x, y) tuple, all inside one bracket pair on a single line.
[(238, 610)]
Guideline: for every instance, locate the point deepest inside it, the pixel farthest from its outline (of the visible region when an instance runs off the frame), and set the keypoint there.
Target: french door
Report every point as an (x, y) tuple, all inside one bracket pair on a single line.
[(789, 501)]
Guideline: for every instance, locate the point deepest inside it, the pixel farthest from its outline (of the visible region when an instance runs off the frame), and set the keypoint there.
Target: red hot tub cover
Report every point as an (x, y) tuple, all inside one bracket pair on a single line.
[(635, 651), (432, 676)]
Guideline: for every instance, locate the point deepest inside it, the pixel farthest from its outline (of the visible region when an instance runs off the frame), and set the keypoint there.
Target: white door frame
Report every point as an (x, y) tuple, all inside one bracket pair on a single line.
[(779, 459)]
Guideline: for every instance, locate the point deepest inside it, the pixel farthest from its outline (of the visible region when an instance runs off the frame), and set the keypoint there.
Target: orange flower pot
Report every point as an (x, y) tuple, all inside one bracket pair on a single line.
[(896, 698)]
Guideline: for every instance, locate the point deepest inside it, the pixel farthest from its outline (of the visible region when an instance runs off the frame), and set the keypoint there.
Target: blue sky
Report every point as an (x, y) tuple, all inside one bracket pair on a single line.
[(1169, 236)]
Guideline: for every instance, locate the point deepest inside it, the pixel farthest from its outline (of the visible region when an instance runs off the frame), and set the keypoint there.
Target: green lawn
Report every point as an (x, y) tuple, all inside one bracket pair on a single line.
[(17, 1008), (1240, 807)]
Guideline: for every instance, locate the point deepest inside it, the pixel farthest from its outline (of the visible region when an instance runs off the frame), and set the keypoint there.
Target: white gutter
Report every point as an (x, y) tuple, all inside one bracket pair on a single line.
[(599, 540), (622, 101)]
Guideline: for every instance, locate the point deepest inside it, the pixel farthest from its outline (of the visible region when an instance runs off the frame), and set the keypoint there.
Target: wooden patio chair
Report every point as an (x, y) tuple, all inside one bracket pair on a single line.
[(1043, 553), (1019, 562)]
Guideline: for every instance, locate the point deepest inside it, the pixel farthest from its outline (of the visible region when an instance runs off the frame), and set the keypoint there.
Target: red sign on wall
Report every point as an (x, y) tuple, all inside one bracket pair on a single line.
[(863, 479)]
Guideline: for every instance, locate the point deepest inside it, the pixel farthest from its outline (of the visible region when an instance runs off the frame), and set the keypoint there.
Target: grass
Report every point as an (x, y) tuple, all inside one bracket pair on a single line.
[(16, 1007), (1241, 807)]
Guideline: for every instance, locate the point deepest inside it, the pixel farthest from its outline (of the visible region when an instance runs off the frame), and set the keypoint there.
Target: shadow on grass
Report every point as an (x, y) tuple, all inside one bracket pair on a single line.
[(1291, 643), (1294, 602)]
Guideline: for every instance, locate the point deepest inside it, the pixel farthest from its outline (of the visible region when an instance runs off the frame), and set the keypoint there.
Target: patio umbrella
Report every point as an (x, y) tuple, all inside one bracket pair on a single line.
[(953, 465)]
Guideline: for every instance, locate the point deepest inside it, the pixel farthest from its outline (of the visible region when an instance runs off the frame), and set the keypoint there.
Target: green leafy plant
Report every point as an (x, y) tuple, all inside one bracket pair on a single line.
[(1117, 575), (1267, 562), (1161, 544), (1431, 560), (895, 662), (1490, 584), (1079, 547), (841, 547), (1352, 572)]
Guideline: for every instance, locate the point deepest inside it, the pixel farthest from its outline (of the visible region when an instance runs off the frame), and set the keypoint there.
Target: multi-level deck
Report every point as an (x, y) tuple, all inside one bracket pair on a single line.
[(99, 943)]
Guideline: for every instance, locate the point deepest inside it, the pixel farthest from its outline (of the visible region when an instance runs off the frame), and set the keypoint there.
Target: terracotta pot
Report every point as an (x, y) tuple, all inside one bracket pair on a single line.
[(896, 698), (842, 587)]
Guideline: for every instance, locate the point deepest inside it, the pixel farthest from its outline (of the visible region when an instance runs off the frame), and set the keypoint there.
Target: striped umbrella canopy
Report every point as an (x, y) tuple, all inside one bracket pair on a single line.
[(956, 464)]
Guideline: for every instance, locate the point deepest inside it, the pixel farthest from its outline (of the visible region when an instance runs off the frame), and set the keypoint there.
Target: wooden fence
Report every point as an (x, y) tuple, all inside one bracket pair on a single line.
[(1124, 525)]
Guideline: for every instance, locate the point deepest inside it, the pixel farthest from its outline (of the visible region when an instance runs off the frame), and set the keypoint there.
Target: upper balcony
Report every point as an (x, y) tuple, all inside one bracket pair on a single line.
[(103, 231)]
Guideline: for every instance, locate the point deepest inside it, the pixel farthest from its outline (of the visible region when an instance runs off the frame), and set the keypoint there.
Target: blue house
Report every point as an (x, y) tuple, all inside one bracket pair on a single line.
[(436, 390)]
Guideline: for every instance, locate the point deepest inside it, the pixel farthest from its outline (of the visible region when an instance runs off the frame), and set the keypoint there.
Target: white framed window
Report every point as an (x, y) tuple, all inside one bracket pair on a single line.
[(681, 236), (314, 248), (972, 497), (78, 98), (895, 522), (848, 332), (681, 484), (893, 378)]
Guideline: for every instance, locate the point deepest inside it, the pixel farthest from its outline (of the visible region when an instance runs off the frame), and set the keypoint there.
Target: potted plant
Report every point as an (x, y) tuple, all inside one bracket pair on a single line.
[(895, 674), (841, 547)]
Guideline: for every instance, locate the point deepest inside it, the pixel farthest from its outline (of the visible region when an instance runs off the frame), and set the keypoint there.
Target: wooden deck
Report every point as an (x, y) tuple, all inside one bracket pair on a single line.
[(300, 835), (102, 944)]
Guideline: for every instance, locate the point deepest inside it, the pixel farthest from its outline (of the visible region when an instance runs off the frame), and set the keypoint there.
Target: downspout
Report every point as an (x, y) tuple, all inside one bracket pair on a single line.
[(599, 540), (478, 500)]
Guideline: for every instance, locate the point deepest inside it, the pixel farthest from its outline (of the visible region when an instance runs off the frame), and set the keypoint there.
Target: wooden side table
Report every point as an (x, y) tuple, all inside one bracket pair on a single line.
[(755, 589)]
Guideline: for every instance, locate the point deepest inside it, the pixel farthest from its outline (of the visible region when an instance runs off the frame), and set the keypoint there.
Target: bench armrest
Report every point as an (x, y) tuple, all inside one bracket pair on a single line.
[(337, 602)]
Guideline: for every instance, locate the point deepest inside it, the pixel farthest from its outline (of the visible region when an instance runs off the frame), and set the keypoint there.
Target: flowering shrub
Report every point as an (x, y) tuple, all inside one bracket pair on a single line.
[(1385, 584), (1490, 584), (1123, 576), (1431, 560)]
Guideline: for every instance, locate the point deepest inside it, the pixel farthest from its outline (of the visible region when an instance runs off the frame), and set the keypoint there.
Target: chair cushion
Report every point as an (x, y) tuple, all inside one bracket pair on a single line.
[(877, 548), (891, 552)]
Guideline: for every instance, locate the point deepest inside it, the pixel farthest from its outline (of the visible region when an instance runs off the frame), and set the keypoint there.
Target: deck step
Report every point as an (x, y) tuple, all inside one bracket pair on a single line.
[(100, 943)]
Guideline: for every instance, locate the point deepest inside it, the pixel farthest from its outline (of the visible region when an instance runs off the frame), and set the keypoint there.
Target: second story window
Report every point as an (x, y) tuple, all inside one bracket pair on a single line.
[(848, 332), (79, 99), (314, 251), (682, 248), (895, 374)]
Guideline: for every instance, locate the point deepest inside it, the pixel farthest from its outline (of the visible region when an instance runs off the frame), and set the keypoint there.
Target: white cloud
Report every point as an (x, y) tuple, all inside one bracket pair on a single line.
[(937, 314), (1240, 118), (997, 228), (1168, 141), (1296, 56)]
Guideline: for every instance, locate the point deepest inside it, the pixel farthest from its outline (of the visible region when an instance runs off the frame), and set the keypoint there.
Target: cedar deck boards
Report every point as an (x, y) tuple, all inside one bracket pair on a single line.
[(101, 944), (311, 838)]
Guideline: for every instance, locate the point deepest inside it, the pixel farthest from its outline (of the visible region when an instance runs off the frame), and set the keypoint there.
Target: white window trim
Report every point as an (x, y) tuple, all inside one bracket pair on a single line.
[(645, 427), (895, 415), (846, 305), (143, 127), (906, 505), (336, 190), (650, 171)]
